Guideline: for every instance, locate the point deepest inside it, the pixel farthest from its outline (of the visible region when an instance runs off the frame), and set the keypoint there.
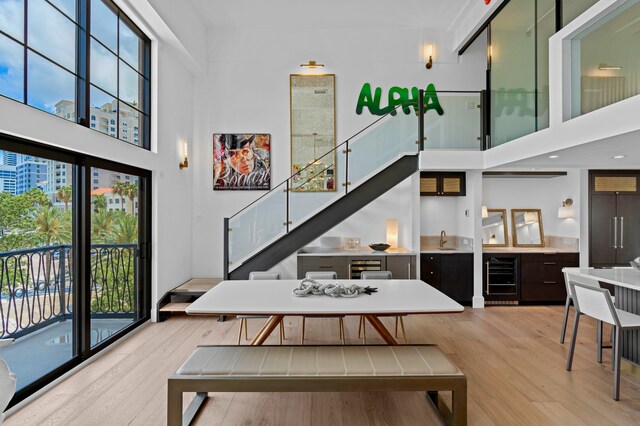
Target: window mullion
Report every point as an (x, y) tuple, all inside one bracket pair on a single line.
[(82, 67)]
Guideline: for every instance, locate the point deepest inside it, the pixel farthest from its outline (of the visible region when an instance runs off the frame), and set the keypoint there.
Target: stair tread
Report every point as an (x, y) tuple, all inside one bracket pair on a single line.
[(175, 307), (197, 285)]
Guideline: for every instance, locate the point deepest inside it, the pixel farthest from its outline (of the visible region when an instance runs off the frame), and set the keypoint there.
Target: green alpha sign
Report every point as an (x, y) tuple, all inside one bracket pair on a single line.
[(397, 96)]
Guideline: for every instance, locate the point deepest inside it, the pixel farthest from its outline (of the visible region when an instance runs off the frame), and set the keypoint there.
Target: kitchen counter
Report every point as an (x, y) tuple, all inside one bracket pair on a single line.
[(363, 251), (448, 250), (528, 250)]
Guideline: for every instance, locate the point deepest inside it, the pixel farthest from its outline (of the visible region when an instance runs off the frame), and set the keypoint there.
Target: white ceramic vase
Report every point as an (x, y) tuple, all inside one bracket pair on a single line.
[(7, 382)]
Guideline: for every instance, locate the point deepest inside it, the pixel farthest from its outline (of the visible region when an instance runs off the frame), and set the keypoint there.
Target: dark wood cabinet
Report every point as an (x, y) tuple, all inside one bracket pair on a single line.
[(541, 275), (443, 183), (451, 273), (614, 220), (430, 269)]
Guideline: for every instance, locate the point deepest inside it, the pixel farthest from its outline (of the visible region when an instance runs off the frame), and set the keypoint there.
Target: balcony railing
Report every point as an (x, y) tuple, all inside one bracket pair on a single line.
[(36, 285)]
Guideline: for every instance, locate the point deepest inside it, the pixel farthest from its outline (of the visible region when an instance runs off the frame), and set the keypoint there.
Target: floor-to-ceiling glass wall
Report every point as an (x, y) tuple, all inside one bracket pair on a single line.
[(74, 257), (519, 64), (36, 273), (114, 285), (513, 72)]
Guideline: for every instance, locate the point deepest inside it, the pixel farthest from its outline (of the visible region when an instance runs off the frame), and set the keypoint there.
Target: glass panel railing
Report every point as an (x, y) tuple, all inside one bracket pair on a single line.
[(512, 115), (316, 186), (460, 127), (331, 176), (387, 141), (605, 65), (258, 224)]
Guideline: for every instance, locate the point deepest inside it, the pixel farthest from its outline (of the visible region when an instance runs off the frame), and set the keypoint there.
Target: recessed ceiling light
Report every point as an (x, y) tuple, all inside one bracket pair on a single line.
[(617, 157), (554, 156)]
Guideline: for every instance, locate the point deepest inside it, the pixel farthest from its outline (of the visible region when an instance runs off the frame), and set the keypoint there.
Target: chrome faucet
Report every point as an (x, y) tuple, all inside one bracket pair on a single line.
[(443, 235)]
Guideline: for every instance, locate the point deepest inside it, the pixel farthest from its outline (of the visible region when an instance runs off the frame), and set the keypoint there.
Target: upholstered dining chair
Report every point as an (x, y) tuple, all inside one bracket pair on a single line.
[(266, 275), (597, 303), (379, 275), (323, 275), (7, 381)]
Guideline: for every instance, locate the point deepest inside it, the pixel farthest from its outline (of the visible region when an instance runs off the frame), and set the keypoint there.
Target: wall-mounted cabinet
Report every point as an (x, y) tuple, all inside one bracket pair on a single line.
[(443, 184)]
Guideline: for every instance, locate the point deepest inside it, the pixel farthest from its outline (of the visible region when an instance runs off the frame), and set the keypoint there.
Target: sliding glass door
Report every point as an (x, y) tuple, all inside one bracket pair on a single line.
[(36, 258), (74, 258)]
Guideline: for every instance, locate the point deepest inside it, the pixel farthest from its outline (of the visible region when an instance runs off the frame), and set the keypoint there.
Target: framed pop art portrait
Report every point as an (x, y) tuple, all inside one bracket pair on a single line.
[(241, 161)]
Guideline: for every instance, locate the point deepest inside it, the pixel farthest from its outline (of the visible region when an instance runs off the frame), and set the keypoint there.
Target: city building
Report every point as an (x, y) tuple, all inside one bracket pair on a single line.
[(31, 172)]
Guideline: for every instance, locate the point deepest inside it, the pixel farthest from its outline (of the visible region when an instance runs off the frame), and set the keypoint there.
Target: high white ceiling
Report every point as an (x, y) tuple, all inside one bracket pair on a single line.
[(332, 14)]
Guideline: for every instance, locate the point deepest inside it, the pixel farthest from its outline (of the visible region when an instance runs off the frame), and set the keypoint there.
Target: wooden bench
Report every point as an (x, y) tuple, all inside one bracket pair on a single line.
[(361, 368)]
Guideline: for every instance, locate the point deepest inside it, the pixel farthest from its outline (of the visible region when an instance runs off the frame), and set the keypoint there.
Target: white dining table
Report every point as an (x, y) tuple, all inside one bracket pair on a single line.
[(275, 299), (619, 277)]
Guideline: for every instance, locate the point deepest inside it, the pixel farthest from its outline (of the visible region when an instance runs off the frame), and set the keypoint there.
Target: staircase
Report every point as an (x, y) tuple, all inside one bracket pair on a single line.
[(327, 218), (365, 166)]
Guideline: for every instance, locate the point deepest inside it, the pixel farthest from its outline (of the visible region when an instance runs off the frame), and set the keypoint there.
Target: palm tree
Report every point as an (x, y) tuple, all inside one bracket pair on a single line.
[(64, 194), (126, 190), (120, 189), (53, 225), (99, 202), (101, 224), (132, 193), (124, 229)]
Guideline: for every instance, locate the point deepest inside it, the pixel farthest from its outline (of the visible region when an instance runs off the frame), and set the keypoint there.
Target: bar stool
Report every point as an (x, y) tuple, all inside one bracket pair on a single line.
[(379, 275), (596, 302), (267, 275), (323, 275)]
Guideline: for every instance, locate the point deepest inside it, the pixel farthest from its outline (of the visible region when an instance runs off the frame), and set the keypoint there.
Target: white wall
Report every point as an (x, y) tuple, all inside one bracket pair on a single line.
[(538, 193), (247, 90)]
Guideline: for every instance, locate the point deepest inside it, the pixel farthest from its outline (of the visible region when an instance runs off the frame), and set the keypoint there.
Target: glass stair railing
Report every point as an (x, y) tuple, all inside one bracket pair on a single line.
[(346, 167)]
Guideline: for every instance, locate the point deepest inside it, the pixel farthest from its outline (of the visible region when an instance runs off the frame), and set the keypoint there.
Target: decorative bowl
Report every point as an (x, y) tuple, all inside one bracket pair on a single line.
[(636, 263), (379, 246)]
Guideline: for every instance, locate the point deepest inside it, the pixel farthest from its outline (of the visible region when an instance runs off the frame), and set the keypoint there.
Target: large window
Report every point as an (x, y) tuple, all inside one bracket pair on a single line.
[(606, 60), (82, 60), (74, 258)]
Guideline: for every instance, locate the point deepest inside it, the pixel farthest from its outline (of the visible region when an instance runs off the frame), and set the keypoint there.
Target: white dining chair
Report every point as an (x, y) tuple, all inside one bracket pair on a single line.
[(323, 275), (596, 302), (7, 381), (258, 275), (379, 275), (568, 276)]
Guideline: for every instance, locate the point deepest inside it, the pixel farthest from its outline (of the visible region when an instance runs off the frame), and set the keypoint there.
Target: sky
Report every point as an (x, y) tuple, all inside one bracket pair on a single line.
[(53, 34)]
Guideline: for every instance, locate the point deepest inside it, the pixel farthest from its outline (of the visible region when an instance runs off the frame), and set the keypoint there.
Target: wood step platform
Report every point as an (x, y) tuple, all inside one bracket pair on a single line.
[(176, 300)]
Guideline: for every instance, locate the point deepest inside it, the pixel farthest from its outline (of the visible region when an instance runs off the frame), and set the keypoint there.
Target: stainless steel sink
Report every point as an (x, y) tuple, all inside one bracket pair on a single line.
[(447, 248)]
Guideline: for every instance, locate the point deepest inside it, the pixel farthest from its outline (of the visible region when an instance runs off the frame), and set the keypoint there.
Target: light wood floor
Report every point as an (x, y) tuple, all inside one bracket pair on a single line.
[(511, 355)]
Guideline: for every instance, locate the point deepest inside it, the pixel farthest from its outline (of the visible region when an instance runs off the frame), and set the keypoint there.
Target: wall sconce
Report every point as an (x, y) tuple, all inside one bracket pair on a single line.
[(392, 232), (312, 65), (429, 54), (485, 211), (566, 211), (185, 163)]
